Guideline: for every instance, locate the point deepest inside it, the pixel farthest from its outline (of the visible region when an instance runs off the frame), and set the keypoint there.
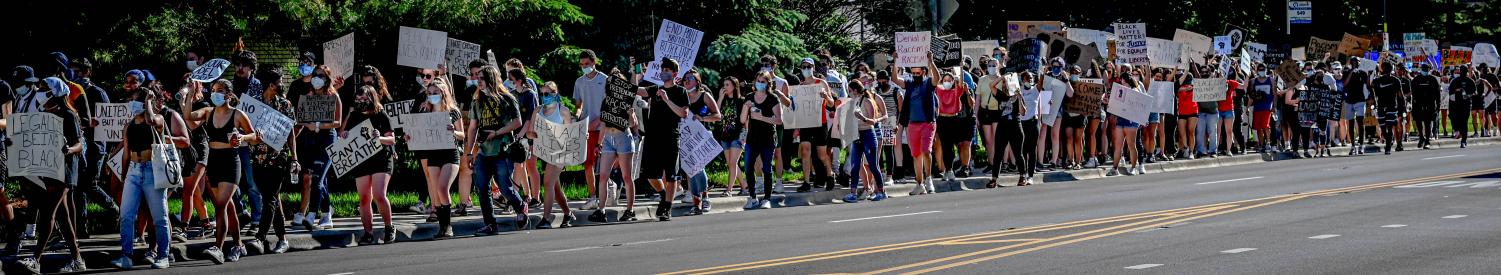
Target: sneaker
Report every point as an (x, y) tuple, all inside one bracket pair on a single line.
[(879, 196), (627, 216), (777, 187), (1092, 163), (546, 223), (695, 211), (805, 188), (327, 222), (593, 203), (161, 262), (367, 238), (234, 253), (751, 203), (852, 198), (567, 221), (123, 263), (683, 197), (1113, 172), (597, 217), (948, 175), (214, 255), (930, 187), (281, 247), (462, 210), (487, 230), (1141, 170), (415, 208), (1131, 172), (76, 265), (31, 265), (432, 217), (765, 204), (919, 190), (705, 205)]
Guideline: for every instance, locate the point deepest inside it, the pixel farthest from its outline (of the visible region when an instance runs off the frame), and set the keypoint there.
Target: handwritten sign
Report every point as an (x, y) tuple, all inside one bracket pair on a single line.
[(1026, 56), (1195, 47), (674, 41), (429, 131), (459, 54), (561, 144), (210, 70), (1256, 51), (976, 49), (116, 162), (1130, 104), (620, 95), (338, 55), (805, 109), (1165, 93), (1209, 89), (1352, 45), (1056, 90), (912, 49), (354, 148), (1163, 53), (421, 48), (1018, 30), (1317, 48), (316, 108), (1289, 73), (1072, 52), (1365, 65), (1222, 45), (1299, 54), (1095, 38), (1086, 98), (36, 146), (271, 125), (1485, 54), (947, 51), (1131, 43), (112, 118), (394, 110), (696, 146), (1456, 57)]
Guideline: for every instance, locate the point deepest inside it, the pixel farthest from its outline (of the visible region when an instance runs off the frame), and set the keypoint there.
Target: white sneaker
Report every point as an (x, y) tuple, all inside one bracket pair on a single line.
[(1113, 172), (30, 232), (1141, 170), (1092, 163), (752, 203), (930, 187), (948, 175), (765, 204), (591, 204), (297, 219), (327, 222), (919, 190), (415, 208), (1131, 172), (777, 187), (685, 198)]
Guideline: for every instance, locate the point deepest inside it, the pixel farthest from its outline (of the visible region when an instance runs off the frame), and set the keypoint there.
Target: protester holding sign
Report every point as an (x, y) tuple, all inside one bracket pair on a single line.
[(140, 186), (869, 113), (551, 111), (617, 144), (818, 167), (668, 106), (761, 115), (922, 113), (440, 165), (493, 126), (1125, 129), (226, 127), (273, 168), (313, 138), (371, 176), (50, 201), (704, 108), (1188, 120)]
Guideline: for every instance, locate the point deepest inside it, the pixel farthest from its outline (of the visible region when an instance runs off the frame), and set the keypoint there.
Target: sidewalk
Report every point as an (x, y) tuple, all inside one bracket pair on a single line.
[(97, 252)]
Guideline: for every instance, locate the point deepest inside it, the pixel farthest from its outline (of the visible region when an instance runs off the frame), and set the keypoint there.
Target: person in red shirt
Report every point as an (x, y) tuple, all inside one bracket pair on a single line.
[(1227, 113), (1188, 120)]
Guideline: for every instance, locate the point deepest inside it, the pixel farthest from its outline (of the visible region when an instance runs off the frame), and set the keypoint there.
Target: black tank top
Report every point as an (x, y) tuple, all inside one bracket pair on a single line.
[(141, 136), (218, 133), (762, 133), (699, 107)]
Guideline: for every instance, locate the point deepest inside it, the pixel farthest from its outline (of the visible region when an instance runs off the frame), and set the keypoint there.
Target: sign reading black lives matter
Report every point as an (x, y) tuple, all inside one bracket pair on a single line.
[(616, 110), (316, 108), (36, 146), (111, 118), (361, 142), (394, 110)]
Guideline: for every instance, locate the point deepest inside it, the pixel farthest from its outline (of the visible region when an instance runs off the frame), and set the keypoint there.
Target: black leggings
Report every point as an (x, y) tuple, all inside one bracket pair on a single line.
[(762, 152), (1028, 152), (1010, 131), (269, 180), (1301, 137)]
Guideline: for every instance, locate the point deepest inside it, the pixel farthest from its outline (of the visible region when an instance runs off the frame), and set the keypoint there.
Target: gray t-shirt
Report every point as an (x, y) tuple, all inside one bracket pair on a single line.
[(589, 93)]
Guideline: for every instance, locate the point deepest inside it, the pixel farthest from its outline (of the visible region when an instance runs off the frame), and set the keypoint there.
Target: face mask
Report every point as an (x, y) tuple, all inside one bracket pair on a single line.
[(217, 99), (421, 81), (666, 76), (588, 70), (305, 69), (471, 83), (135, 108), (1073, 78), (23, 90), (1260, 74), (318, 83), (434, 99), (551, 99), (761, 86), (1057, 70), (947, 85), (993, 70), (192, 65), (807, 72)]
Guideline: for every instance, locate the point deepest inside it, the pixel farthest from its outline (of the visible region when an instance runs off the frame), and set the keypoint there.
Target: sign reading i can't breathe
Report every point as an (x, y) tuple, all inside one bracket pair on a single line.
[(674, 41), (358, 145)]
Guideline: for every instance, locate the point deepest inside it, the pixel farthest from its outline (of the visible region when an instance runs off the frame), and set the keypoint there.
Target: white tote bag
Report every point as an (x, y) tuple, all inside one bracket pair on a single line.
[(166, 165)]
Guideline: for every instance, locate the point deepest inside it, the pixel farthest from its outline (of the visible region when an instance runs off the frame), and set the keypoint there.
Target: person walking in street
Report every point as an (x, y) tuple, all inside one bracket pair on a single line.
[(869, 112), (273, 168), (227, 127), (494, 125), (551, 109), (761, 114), (371, 176), (441, 165)]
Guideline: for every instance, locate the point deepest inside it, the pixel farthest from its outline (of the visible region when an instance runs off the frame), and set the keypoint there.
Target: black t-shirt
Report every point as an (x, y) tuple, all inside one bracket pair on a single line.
[(762, 133), (1461, 89), (380, 122), (1385, 89), (1355, 86), (297, 89), (729, 126), (1425, 91), (662, 120)]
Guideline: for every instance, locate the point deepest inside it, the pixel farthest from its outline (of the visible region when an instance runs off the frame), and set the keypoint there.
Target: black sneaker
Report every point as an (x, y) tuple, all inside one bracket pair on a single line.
[(696, 211), (599, 216), (567, 221), (627, 216), (487, 230), (388, 235), (367, 239), (522, 220), (806, 187), (546, 223)]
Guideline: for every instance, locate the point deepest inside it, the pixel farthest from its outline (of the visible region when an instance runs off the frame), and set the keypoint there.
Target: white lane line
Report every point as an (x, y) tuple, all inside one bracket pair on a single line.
[(645, 242), (1229, 180), (345, 273), (1443, 157), (574, 249), (1393, 225), (1143, 266), (609, 245), (883, 217), (1325, 236), (1237, 250), (1455, 216)]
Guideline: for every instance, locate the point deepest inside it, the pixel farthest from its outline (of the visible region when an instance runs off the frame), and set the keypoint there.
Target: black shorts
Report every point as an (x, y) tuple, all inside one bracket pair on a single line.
[(988, 117), (1074, 121), (817, 136), (1424, 113), (1388, 117), (788, 147), (663, 161), (953, 130), (438, 158), (223, 166), (376, 164)]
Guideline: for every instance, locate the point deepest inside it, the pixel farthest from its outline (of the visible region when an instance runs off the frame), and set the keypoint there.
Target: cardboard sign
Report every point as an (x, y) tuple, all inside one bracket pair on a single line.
[(1256, 51), (1290, 73), (1018, 30), (271, 125), (1086, 99), (561, 144), (354, 148), (1317, 48), (696, 146), (1026, 56), (1453, 57), (1164, 53), (36, 148), (111, 119), (1222, 45), (1095, 38), (845, 124), (947, 51), (1299, 54), (210, 70), (1131, 43), (912, 49), (338, 55), (674, 41), (1485, 54), (620, 95), (429, 131), (394, 110), (1056, 90), (459, 53), (1195, 47), (805, 111), (1165, 93), (1130, 104), (421, 48), (316, 108), (1072, 52), (1209, 89), (1352, 45), (976, 49)]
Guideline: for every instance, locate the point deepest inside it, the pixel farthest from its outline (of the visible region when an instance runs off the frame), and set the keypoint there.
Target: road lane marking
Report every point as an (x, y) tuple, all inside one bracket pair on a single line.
[(1325, 236), (608, 245), (1430, 184), (345, 273), (1455, 216), (1394, 226), (1143, 266), (574, 249), (1237, 250), (887, 216), (1229, 180), (1478, 184), (1443, 157)]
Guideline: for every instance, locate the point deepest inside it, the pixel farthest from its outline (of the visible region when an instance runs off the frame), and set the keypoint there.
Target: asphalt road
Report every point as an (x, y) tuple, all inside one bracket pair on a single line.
[(1413, 212)]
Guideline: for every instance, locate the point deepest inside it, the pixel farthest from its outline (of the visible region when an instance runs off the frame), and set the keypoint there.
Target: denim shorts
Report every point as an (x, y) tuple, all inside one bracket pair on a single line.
[(1227, 115), (1154, 118), (617, 143), (733, 144)]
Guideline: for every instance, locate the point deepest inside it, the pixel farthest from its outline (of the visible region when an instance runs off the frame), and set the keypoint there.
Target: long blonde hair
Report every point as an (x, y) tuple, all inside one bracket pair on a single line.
[(447, 103)]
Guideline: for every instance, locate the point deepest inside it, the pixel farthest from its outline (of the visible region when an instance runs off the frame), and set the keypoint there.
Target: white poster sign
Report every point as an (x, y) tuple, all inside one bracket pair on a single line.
[(111, 119), (696, 146), (1098, 38), (1209, 89), (459, 54), (1131, 47), (674, 41), (115, 163), (805, 111), (429, 131), (359, 144), (394, 110), (271, 125), (338, 55), (1222, 45), (1165, 93), (1164, 53), (1058, 89), (1485, 53), (421, 48), (1257, 51), (977, 49), (36, 148), (1195, 47), (912, 49), (1130, 104), (561, 144), (210, 70)]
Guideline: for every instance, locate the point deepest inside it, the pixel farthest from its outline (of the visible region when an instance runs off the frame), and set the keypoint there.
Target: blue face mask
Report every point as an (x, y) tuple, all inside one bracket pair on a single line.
[(551, 99), (305, 69), (760, 86), (217, 99), (434, 99)]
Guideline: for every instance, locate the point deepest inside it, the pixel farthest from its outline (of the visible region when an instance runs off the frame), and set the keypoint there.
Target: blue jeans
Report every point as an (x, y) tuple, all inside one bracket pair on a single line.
[(317, 170), (248, 186), (498, 168), (698, 183), (1208, 133), (140, 187), (764, 153), (866, 148)]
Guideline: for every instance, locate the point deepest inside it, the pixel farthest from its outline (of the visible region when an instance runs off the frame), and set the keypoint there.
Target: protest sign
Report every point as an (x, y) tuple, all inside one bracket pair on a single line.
[(210, 70), (947, 51), (696, 146), (1018, 30), (429, 131), (459, 54), (1130, 104), (271, 125), (846, 123), (421, 48), (1131, 43), (912, 49), (1165, 93), (1072, 52), (561, 144), (1365, 65), (1195, 47), (1095, 38), (674, 41), (1318, 48), (116, 163), (1222, 45), (36, 148), (111, 119), (1352, 45), (1289, 73), (1086, 99), (1237, 36), (316, 108), (976, 49), (1456, 57), (1209, 89), (1055, 90), (1256, 51), (394, 110), (338, 55), (359, 144), (1485, 54), (1025, 56), (620, 95), (1299, 54), (1163, 53), (805, 109)]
